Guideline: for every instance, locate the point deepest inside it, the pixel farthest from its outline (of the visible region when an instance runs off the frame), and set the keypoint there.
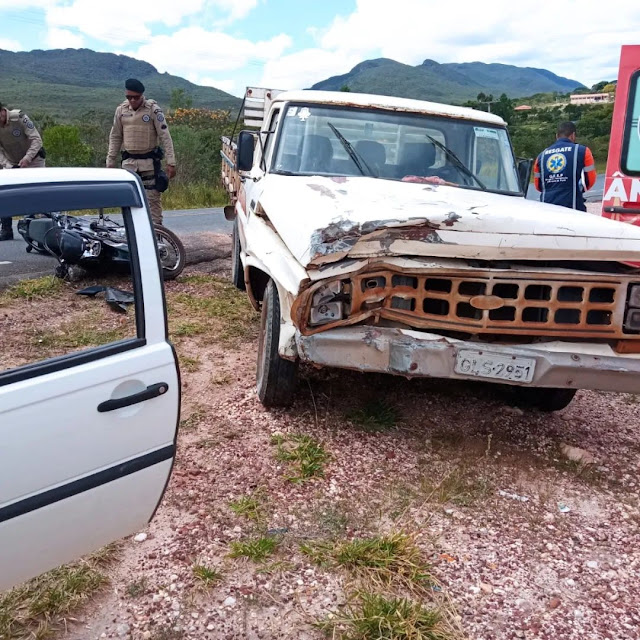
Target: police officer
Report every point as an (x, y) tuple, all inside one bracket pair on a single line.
[(565, 170), (139, 128), (20, 147)]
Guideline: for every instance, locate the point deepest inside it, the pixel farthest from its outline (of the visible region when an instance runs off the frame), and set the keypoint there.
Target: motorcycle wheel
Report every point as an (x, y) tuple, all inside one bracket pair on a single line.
[(173, 256)]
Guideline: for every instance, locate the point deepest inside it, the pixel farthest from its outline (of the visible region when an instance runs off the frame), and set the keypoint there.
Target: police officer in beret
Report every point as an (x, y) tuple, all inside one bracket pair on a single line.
[(140, 131), (20, 148)]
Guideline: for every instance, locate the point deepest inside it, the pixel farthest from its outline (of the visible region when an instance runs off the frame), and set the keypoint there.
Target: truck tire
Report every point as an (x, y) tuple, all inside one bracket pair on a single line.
[(546, 399), (275, 377), (237, 272)]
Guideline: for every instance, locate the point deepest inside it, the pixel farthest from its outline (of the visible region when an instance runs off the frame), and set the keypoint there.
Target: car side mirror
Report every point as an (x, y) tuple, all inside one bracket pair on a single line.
[(525, 167), (246, 146)]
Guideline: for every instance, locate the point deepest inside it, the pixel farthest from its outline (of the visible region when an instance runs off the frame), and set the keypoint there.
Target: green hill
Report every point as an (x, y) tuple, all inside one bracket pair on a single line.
[(451, 82), (66, 83)]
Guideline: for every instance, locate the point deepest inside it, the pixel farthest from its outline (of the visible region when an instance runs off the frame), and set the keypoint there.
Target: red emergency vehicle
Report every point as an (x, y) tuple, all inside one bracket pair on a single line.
[(621, 199)]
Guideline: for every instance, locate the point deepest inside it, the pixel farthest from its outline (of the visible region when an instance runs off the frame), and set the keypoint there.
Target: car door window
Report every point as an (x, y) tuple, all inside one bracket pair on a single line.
[(49, 309)]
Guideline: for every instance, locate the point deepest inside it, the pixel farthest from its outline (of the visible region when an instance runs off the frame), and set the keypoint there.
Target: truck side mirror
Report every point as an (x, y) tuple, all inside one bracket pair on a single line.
[(246, 146), (525, 167)]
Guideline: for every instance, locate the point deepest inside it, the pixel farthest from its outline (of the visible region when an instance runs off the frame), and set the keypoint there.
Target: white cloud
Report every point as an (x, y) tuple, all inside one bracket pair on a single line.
[(130, 23), (205, 52), (9, 45), (301, 69), (64, 39), (228, 84), (577, 38), (124, 24)]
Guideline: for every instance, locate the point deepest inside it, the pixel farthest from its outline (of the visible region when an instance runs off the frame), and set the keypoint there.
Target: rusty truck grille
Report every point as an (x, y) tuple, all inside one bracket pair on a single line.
[(491, 302)]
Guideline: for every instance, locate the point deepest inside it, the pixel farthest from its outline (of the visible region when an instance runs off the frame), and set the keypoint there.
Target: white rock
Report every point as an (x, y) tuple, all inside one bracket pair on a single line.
[(141, 537), (173, 577), (570, 582), (175, 605), (575, 454), (592, 564), (211, 627), (229, 602), (195, 615), (156, 597), (474, 589), (123, 630)]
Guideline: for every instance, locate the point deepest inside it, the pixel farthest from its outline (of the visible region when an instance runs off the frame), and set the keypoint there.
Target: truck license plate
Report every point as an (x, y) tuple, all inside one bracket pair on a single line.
[(488, 365)]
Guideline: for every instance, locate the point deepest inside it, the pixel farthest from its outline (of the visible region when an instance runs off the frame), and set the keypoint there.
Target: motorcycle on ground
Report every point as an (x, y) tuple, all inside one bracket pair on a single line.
[(95, 243)]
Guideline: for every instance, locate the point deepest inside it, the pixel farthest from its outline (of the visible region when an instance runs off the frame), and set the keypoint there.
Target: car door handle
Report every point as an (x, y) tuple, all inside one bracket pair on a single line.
[(152, 391)]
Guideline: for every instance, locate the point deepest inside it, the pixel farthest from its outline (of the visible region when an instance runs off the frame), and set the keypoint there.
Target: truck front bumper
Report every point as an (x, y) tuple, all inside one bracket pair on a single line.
[(419, 354)]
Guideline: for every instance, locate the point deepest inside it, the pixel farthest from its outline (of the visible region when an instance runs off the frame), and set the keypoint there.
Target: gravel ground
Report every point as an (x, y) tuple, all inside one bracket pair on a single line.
[(524, 541)]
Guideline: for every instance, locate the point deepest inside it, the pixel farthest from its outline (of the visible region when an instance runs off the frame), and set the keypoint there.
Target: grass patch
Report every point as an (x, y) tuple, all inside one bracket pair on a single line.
[(382, 560), (206, 576), (193, 195), (38, 608), (374, 617), (137, 588), (30, 289), (221, 379), (190, 364), (376, 415), (194, 419), (462, 486), (213, 307), (306, 456), (257, 549), (78, 335), (251, 506)]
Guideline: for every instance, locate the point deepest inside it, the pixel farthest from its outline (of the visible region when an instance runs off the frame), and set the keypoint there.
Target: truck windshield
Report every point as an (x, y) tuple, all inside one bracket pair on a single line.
[(394, 146)]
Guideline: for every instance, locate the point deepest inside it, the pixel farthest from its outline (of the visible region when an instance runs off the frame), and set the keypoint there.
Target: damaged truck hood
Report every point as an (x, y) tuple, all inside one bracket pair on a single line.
[(323, 220)]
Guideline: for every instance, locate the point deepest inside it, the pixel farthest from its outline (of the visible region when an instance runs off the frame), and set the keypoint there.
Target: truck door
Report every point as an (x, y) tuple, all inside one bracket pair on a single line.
[(87, 433), (621, 199)]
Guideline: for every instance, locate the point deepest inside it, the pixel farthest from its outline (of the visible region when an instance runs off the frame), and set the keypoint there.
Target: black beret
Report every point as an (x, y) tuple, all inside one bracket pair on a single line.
[(134, 85)]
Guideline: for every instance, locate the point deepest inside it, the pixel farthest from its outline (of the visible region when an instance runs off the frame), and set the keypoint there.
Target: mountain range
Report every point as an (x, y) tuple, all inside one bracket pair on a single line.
[(448, 82), (66, 83)]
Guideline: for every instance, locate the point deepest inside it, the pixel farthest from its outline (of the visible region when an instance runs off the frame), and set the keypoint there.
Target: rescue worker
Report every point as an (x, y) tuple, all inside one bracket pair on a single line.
[(139, 128), (20, 148), (565, 170)]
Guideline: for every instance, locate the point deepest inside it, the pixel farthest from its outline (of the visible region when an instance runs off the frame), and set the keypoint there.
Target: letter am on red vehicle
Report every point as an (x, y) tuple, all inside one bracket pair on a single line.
[(621, 199)]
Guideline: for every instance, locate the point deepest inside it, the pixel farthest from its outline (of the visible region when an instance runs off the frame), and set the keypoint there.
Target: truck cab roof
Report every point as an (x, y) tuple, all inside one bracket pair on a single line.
[(388, 102)]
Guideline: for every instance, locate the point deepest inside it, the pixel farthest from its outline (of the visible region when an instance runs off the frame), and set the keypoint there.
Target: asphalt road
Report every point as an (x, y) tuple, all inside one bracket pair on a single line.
[(16, 263)]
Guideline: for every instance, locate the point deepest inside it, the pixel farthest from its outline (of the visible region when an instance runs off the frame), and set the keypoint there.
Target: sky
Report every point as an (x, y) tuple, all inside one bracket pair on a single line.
[(291, 44)]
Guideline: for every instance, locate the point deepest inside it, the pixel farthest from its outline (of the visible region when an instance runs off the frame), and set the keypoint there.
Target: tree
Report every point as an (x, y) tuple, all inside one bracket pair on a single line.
[(504, 108), (609, 88), (65, 148), (345, 87), (180, 100)]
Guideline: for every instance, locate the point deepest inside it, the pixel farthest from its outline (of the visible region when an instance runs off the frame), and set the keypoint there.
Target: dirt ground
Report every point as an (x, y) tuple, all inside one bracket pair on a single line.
[(521, 541)]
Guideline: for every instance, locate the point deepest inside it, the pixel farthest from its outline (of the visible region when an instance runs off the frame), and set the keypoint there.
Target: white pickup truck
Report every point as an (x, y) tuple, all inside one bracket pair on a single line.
[(392, 235)]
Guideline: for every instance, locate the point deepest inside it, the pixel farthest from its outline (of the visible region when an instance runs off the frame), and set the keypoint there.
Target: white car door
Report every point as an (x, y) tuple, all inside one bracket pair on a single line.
[(88, 437)]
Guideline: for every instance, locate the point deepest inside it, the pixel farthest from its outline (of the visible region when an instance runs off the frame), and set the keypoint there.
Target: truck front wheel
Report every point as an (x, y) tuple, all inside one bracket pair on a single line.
[(275, 376), (546, 399)]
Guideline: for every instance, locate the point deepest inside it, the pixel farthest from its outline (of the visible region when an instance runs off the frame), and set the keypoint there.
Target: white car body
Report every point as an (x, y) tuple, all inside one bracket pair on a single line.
[(73, 476)]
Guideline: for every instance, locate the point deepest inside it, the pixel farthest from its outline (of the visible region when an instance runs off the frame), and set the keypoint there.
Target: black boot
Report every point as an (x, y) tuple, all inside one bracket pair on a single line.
[(6, 229)]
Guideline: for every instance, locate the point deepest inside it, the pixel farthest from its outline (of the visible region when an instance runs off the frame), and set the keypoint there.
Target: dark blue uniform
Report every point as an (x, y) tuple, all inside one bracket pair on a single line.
[(558, 173)]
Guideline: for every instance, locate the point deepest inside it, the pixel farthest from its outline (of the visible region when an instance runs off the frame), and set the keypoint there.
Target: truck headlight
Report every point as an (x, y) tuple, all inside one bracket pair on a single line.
[(632, 316), (327, 304), (634, 296)]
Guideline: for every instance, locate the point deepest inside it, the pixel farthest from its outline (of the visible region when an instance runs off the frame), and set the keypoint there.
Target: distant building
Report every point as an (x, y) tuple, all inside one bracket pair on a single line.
[(591, 98), (523, 107)]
